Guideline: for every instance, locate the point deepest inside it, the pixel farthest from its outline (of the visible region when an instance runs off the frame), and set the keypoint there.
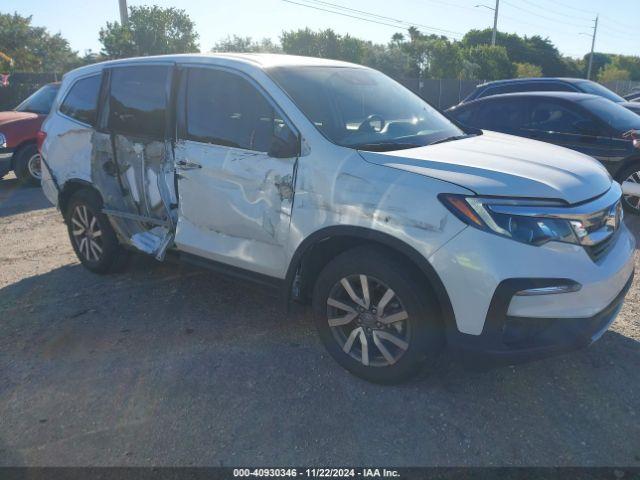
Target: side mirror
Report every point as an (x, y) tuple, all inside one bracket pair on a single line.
[(586, 127), (284, 144)]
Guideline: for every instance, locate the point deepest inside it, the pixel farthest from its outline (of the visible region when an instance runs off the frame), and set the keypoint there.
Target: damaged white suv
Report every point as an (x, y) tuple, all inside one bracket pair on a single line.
[(340, 187)]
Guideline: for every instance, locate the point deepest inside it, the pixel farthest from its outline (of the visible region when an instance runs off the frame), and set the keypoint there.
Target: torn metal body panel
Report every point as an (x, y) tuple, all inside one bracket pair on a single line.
[(135, 179)]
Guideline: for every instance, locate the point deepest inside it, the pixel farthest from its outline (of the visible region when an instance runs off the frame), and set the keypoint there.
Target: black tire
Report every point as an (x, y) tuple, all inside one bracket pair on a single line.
[(421, 332), (23, 157), (630, 204), (108, 256)]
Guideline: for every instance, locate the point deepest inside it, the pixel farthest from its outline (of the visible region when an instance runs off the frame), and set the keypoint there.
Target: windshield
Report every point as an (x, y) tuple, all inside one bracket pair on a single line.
[(616, 116), (40, 101), (362, 108), (597, 89)]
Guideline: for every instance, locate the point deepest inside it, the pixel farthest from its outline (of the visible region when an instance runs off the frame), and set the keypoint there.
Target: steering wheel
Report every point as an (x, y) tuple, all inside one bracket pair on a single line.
[(366, 125)]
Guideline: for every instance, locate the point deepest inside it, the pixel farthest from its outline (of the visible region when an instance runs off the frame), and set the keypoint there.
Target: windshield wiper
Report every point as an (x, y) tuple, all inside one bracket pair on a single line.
[(386, 146), (453, 138)]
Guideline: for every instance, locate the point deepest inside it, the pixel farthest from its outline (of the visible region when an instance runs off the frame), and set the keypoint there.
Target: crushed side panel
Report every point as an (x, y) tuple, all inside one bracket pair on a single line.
[(134, 177)]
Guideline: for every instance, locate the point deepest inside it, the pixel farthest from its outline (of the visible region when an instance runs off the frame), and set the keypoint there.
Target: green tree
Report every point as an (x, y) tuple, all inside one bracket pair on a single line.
[(611, 73), (33, 49), (600, 60), (527, 70), (630, 64), (492, 62), (323, 44), (444, 59), (534, 50), (246, 44), (390, 59), (150, 31)]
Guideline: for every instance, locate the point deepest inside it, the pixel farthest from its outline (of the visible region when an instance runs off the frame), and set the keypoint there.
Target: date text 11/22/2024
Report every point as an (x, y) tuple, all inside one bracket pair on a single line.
[(316, 472)]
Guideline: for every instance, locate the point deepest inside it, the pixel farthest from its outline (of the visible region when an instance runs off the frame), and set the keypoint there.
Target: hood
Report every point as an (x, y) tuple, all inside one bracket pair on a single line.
[(504, 165), (633, 106), (13, 116)]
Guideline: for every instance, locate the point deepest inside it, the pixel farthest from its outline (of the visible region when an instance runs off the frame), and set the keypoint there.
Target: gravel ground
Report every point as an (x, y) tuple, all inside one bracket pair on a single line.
[(169, 365)]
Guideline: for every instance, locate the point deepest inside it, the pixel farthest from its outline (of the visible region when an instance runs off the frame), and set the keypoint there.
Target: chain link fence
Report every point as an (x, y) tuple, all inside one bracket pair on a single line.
[(441, 93)]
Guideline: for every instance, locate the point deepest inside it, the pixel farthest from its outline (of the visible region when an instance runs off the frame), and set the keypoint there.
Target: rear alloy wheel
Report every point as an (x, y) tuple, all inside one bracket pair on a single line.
[(87, 234), (376, 315), (92, 236)]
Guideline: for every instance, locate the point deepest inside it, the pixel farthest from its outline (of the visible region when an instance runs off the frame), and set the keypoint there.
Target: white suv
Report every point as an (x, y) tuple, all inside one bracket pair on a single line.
[(339, 187)]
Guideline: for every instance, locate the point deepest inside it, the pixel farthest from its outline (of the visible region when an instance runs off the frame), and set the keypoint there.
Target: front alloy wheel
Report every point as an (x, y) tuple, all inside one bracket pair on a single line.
[(376, 314), (368, 320)]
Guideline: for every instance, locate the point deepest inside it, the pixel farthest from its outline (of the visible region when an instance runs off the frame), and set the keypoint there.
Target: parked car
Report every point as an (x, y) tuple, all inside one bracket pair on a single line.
[(341, 188), (633, 96), (586, 123), (18, 129), (579, 85)]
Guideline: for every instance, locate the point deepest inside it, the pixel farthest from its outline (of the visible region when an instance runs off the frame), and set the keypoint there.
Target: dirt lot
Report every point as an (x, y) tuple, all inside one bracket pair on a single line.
[(170, 365)]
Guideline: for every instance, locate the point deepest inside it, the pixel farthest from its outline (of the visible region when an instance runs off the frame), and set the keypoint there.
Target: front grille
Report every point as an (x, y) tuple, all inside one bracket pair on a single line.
[(597, 251)]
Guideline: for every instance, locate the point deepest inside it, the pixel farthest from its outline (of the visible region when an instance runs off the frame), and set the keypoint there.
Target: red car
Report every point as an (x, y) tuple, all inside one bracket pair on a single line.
[(18, 129)]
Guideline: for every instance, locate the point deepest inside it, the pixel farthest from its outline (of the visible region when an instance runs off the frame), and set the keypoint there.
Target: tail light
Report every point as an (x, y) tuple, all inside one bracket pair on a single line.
[(40, 137)]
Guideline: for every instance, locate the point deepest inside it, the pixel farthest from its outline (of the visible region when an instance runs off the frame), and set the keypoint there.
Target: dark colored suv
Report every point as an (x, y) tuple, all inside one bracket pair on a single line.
[(586, 123), (578, 85)]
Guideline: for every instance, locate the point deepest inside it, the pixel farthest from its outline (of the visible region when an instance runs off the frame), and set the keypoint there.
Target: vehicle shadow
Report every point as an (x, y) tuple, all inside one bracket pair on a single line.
[(170, 365), (16, 198)]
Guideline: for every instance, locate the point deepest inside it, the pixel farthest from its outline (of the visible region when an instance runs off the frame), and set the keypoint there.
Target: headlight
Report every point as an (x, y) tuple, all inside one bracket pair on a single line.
[(493, 215), (3, 141)]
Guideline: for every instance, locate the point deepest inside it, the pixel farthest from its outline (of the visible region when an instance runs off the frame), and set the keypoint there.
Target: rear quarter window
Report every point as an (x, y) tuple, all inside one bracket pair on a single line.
[(81, 102)]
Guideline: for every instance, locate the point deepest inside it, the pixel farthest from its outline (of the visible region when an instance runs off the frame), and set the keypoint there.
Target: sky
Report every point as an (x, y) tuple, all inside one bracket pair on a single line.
[(568, 23)]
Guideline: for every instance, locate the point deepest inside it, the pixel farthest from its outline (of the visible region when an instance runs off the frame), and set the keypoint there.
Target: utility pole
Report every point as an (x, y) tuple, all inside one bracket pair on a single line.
[(124, 14), (495, 20), (495, 23), (593, 45)]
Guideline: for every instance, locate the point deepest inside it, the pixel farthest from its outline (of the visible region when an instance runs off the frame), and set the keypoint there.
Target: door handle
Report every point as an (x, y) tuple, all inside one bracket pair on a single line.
[(185, 165)]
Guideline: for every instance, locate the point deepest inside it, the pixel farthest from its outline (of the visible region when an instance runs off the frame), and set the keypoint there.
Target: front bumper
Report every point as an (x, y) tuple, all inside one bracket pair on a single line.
[(5, 158), (482, 273), (514, 339)]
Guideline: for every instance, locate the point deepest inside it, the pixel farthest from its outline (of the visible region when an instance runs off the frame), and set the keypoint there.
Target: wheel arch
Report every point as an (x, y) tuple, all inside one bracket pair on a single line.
[(320, 247), (19, 148), (70, 187), (625, 164)]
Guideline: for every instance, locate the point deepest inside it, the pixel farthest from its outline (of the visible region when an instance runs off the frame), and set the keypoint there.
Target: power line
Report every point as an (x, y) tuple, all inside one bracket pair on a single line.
[(612, 32), (557, 3), (619, 25), (362, 15), (551, 19), (623, 25), (546, 9), (369, 14), (390, 22)]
